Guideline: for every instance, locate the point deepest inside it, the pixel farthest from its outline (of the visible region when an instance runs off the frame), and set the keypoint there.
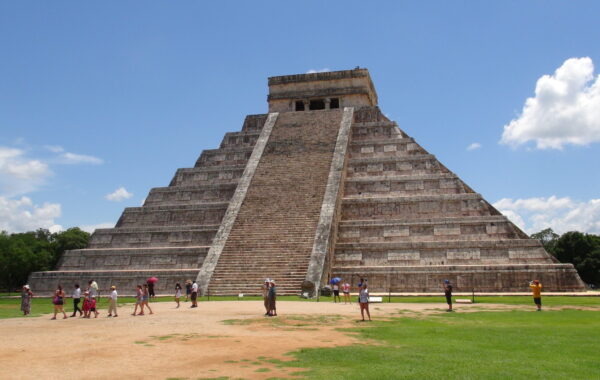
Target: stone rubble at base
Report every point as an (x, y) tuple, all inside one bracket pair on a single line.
[(321, 198)]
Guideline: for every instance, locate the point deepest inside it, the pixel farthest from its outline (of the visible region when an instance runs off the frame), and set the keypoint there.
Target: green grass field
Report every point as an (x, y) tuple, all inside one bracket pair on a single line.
[(482, 345)]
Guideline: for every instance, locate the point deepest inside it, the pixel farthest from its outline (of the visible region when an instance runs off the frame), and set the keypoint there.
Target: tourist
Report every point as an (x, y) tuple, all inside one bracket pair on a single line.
[(93, 288), (93, 307), (86, 304), (59, 301), (26, 296), (194, 294), (336, 292), (188, 289), (112, 301), (139, 294), (346, 291), (536, 288), (363, 299), (177, 293), (265, 293), (272, 299), (76, 299), (145, 298), (361, 282), (151, 289), (448, 294)]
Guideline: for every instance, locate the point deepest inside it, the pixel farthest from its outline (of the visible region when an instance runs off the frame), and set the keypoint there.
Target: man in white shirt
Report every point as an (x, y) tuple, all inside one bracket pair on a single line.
[(76, 299), (112, 302), (194, 294)]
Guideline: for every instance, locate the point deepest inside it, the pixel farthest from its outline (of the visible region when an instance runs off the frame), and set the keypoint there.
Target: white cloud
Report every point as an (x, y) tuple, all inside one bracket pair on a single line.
[(19, 215), (474, 146), (92, 227), (560, 214), (19, 174), (73, 158), (565, 109), (323, 70), (54, 148), (119, 195)]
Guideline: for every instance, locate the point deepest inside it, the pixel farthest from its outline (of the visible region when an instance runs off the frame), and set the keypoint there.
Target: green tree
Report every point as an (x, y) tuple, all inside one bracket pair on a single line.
[(583, 251), (73, 238), (548, 238)]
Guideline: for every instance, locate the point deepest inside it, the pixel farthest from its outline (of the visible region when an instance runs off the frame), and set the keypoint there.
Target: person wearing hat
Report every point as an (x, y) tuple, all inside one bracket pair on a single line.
[(26, 296), (112, 302), (448, 294), (536, 289), (265, 293)]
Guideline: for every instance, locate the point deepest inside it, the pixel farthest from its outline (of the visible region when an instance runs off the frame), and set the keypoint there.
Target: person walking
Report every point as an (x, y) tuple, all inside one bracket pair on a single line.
[(76, 299), (93, 307), (26, 296), (145, 298), (448, 294), (536, 289), (112, 302), (272, 299), (93, 288), (363, 300), (346, 291), (87, 301), (139, 293), (265, 293), (194, 294), (188, 289), (177, 293), (59, 301)]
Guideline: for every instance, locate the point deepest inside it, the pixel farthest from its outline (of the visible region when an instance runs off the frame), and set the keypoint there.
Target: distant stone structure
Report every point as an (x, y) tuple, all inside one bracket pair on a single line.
[(323, 185)]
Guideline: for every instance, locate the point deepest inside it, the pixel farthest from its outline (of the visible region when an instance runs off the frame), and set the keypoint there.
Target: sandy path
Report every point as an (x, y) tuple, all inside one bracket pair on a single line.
[(182, 343)]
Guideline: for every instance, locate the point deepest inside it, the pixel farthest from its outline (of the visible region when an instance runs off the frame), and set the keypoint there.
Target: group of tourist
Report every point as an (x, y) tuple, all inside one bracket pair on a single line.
[(269, 292)]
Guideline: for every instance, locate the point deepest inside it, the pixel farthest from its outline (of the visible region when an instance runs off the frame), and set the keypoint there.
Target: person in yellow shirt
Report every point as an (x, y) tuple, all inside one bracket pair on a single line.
[(536, 288)]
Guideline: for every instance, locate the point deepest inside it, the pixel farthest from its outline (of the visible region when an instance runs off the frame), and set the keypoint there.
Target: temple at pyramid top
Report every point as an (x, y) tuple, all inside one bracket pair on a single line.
[(318, 91), (322, 186)]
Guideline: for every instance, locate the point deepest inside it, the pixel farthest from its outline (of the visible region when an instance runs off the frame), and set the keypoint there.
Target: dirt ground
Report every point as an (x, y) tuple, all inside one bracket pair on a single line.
[(225, 338)]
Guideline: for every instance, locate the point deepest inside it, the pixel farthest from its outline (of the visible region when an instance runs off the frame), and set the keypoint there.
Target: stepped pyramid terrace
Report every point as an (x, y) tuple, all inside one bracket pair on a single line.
[(322, 186)]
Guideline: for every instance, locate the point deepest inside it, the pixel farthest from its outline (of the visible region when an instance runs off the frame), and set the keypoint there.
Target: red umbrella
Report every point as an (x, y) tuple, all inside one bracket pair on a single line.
[(152, 280)]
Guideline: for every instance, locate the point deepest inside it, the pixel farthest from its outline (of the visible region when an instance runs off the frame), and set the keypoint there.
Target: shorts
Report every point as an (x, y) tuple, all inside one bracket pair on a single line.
[(336, 293), (92, 309), (449, 300), (538, 301), (346, 293), (194, 296)]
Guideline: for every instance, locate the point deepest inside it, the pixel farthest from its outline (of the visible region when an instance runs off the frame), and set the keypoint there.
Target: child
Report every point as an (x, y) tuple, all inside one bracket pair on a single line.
[(93, 307), (177, 293)]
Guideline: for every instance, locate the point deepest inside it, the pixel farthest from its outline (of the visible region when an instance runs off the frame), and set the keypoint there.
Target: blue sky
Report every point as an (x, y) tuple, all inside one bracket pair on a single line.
[(98, 97)]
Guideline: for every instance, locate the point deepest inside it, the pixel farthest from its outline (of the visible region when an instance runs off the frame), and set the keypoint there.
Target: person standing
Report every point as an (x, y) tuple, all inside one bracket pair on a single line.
[(188, 289), (177, 293), (448, 294), (272, 299), (265, 293), (112, 302), (194, 294), (363, 299), (336, 293), (346, 291), (76, 299), (151, 289), (26, 296), (59, 301), (536, 288)]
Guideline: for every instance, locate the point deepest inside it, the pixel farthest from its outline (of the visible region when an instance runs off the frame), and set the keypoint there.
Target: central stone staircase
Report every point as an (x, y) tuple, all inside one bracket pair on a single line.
[(274, 232)]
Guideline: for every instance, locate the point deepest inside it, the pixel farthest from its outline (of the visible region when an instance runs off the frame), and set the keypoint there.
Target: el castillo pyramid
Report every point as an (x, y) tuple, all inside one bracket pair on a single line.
[(322, 186)]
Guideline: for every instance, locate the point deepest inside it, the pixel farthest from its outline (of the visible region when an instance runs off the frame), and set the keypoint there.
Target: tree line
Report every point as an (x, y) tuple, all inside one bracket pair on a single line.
[(23, 253)]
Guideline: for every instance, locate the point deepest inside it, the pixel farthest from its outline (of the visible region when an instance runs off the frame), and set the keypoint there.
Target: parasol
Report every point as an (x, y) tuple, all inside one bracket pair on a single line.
[(152, 280)]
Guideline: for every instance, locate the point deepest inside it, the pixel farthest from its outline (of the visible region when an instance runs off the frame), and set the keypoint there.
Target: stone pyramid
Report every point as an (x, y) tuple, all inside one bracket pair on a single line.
[(322, 186)]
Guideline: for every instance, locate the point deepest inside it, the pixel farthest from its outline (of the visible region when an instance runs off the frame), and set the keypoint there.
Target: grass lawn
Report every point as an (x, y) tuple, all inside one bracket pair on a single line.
[(489, 345)]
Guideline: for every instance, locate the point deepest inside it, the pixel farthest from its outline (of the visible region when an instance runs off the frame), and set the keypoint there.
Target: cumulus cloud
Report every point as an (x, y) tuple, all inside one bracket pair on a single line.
[(119, 195), (20, 174), (474, 146), (565, 109), (560, 214), (313, 71), (20, 215), (93, 227)]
